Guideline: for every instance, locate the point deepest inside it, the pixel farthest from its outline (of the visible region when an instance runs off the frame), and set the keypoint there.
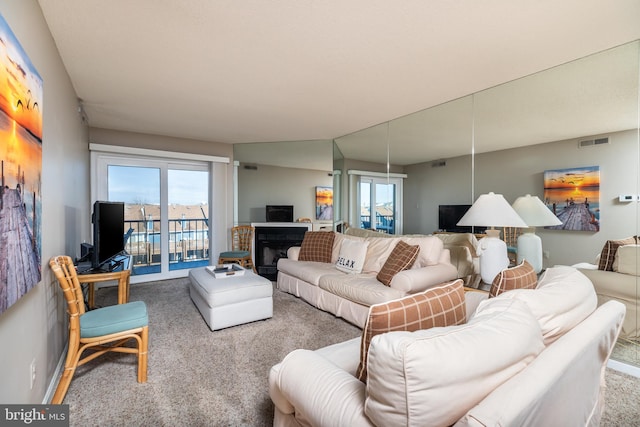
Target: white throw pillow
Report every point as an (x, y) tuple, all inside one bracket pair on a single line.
[(627, 259), (352, 256)]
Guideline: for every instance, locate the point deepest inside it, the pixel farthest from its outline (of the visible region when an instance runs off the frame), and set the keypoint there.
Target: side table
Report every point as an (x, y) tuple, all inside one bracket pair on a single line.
[(120, 272)]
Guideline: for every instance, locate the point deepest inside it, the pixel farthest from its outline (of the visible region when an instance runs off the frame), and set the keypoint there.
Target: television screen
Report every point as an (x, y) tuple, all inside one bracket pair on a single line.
[(108, 231), (448, 217), (279, 213)]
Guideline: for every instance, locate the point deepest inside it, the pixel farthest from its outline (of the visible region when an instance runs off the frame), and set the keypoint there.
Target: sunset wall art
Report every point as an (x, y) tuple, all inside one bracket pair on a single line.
[(573, 195), (20, 170)]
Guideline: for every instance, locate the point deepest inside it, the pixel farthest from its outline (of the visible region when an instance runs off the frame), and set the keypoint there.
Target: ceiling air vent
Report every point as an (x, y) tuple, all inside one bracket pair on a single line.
[(438, 163), (592, 142)]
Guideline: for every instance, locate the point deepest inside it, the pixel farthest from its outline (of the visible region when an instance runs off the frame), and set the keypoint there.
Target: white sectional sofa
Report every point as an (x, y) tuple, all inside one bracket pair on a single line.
[(349, 295), (528, 357)]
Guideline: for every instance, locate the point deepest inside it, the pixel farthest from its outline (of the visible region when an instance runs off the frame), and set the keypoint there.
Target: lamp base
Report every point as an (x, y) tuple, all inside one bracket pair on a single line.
[(530, 249), (493, 256)]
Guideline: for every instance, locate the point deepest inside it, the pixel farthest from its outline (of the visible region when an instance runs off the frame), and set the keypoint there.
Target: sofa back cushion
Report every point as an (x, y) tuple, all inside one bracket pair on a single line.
[(609, 250), (377, 253), (627, 260), (352, 255), (439, 306), (431, 249), (433, 377), (317, 246), (401, 258), (563, 298), (522, 276)]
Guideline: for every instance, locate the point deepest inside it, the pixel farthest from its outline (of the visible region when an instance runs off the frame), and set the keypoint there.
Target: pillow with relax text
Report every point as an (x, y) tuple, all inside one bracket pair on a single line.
[(317, 246), (443, 305), (352, 256)]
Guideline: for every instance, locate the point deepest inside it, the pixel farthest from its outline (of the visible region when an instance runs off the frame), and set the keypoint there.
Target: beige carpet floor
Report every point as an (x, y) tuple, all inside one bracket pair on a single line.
[(203, 378)]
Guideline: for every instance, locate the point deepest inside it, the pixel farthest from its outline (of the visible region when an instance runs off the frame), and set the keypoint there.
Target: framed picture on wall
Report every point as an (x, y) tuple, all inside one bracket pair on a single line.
[(20, 170), (573, 195), (324, 203)]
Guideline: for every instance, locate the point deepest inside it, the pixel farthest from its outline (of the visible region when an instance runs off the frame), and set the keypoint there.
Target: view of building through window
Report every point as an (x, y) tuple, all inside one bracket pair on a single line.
[(187, 216)]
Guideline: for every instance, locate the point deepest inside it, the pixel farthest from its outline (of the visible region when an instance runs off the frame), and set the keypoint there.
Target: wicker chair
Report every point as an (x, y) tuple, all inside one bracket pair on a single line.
[(241, 242), (510, 237), (101, 330)]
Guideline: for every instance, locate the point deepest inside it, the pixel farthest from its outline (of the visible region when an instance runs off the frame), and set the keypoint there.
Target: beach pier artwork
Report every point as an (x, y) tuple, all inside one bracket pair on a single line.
[(20, 170), (573, 195)]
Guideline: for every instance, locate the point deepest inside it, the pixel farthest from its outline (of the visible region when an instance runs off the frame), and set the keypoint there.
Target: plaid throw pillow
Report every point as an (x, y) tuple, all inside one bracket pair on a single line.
[(401, 258), (439, 306), (317, 246), (522, 276), (608, 254)]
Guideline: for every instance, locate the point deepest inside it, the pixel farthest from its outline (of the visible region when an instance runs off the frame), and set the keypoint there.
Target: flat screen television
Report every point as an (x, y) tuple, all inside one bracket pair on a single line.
[(279, 213), (108, 231), (448, 217)]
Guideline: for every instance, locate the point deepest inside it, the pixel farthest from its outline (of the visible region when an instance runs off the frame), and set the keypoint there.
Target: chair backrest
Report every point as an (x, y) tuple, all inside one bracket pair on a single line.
[(64, 270), (510, 235), (242, 237)]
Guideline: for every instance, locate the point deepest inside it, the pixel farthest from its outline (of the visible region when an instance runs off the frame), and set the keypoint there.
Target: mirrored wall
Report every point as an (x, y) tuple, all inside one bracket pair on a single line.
[(503, 139)]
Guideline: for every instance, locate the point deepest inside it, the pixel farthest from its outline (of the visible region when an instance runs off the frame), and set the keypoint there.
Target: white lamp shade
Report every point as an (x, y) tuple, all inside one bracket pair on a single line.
[(491, 210), (534, 212)]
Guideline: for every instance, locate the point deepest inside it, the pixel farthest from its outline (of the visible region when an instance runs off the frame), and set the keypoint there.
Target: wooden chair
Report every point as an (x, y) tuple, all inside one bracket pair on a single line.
[(510, 237), (101, 330), (241, 242)]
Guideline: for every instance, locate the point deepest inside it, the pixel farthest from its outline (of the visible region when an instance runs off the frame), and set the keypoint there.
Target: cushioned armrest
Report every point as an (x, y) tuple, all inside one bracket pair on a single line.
[(420, 279), (320, 392), (293, 253)]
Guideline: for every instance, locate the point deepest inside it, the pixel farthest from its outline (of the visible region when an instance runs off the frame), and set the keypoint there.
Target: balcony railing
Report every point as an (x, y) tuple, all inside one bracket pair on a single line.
[(188, 244), (384, 223)]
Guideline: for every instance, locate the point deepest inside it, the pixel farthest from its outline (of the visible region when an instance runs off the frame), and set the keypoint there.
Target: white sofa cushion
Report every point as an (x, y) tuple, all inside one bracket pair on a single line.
[(430, 249), (352, 256), (433, 377), (309, 271), (564, 297), (362, 288), (627, 260), (377, 253)]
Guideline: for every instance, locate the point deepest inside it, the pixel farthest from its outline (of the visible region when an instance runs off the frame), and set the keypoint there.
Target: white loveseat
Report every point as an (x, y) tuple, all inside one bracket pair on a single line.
[(533, 357), (349, 295)]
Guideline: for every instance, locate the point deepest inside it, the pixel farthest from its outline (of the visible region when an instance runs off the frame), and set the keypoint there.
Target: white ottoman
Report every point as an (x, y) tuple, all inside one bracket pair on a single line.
[(231, 301)]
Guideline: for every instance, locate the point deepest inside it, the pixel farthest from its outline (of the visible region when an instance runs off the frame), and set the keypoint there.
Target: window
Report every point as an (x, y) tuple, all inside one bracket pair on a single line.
[(379, 201), (167, 210)]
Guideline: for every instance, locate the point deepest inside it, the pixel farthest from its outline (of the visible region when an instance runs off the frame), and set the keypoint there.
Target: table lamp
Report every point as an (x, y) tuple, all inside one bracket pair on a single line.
[(491, 210), (535, 214)]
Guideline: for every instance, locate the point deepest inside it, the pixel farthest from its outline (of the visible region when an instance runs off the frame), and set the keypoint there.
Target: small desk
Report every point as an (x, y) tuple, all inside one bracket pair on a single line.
[(119, 269)]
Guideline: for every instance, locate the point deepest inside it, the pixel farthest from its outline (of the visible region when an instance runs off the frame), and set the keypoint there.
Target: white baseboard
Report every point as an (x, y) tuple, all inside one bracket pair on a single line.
[(624, 368), (53, 384)]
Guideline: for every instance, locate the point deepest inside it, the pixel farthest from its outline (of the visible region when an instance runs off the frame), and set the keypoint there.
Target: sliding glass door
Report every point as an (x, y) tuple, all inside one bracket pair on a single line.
[(166, 211), (379, 207)]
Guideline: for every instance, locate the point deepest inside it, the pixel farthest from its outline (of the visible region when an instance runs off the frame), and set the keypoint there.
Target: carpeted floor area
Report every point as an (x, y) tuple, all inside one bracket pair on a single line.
[(201, 378)]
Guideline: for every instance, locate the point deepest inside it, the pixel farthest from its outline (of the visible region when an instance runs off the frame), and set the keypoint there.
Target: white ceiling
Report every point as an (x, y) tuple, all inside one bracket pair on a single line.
[(286, 70)]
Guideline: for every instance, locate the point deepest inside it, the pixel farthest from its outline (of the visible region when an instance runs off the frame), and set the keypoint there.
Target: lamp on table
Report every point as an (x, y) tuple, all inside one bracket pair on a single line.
[(491, 210), (535, 214)]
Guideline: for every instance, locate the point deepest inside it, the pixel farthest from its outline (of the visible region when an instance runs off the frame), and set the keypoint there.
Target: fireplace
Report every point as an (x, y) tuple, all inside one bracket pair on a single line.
[(271, 243)]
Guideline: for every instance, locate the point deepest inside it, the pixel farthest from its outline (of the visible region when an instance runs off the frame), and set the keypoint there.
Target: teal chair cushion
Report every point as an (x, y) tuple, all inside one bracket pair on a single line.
[(112, 319), (234, 254)]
